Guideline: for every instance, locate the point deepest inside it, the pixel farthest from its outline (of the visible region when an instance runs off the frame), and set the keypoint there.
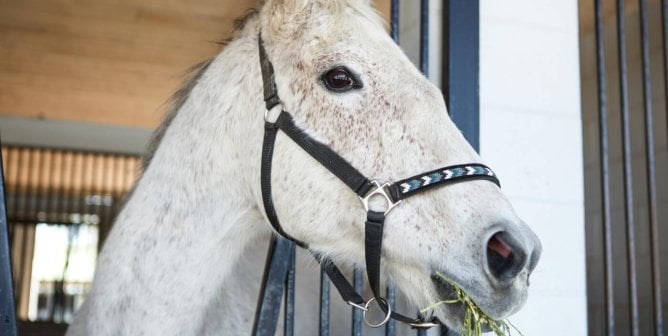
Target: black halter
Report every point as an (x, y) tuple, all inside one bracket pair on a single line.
[(363, 187)]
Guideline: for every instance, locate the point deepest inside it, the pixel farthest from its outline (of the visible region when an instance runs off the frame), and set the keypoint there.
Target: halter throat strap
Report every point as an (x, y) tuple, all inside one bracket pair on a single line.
[(358, 183)]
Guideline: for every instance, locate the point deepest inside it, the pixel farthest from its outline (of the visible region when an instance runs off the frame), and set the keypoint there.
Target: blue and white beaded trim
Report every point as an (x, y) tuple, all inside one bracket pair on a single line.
[(445, 175)]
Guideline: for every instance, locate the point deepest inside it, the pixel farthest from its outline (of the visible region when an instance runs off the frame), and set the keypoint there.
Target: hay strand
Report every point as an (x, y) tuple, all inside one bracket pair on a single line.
[(474, 318)]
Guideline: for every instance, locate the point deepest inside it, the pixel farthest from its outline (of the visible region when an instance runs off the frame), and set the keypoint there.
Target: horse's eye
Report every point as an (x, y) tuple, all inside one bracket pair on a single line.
[(340, 79)]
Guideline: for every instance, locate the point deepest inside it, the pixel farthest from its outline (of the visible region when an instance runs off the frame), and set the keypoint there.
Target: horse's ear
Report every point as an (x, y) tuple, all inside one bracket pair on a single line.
[(284, 15), (287, 4)]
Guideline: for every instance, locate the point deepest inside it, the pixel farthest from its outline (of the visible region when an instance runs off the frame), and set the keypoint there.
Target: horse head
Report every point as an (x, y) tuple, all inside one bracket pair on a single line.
[(350, 87)]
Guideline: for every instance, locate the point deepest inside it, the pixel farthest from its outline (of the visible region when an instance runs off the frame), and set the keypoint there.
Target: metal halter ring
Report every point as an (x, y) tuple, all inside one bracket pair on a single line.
[(380, 190), (387, 314), (266, 112)]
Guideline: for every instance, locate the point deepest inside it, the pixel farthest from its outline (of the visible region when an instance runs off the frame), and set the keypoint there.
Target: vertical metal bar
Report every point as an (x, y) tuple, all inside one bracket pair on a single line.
[(628, 177), (651, 171), (324, 303), (394, 20), (57, 309), (62, 194), (116, 189), (44, 182), (424, 37), (106, 195), (358, 278), (37, 180), (25, 192), (273, 281), (88, 178), (664, 24), (78, 173), (289, 312), (461, 34), (7, 305), (391, 297), (52, 211), (21, 215), (11, 160), (66, 179), (605, 168), (33, 184)]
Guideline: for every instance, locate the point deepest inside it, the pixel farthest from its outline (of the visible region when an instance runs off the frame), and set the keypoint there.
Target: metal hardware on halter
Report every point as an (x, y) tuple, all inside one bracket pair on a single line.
[(357, 305), (388, 313), (382, 191), (423, 324), (266, 112)]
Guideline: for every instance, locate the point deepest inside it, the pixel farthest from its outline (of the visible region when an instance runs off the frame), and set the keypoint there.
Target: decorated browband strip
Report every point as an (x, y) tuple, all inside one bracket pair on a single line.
[(405, 188)]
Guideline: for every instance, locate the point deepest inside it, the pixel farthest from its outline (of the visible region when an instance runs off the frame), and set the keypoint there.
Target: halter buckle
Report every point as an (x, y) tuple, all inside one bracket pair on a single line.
[(380, 190)]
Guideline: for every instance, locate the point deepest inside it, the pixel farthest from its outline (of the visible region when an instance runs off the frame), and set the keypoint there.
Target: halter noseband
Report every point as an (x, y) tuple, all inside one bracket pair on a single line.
[(363, 187)]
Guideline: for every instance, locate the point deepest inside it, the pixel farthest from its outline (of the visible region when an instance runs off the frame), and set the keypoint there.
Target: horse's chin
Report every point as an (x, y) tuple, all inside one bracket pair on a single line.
[(451, 314)]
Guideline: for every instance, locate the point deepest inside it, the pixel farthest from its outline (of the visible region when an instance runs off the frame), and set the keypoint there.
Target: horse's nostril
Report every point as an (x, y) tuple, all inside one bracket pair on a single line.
[(503, 260)]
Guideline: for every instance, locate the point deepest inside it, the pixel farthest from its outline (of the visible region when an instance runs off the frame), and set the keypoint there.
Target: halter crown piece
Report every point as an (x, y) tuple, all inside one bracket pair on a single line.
[(363, 187)]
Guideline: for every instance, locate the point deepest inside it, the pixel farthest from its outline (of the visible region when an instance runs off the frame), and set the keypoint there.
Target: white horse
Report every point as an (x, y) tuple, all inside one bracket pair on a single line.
[(185, 254)]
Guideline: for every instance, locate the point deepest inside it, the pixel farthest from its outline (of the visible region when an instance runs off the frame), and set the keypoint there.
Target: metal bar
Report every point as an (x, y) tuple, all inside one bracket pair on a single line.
[(664, 21), (273, 281), (25, 192), (394, 20), (33, 184), (88, 183), (324, 303), (7, 305), (30, 231), (61, 199), (109, 194), (651, 170), (51, 194), (289, 313), (23, 269), (358, 283), (461, 35), (605, 168), (9, 158), (66, 182), (391, 297), (424, 37), (75, 186), (628, 176), (17, 190)]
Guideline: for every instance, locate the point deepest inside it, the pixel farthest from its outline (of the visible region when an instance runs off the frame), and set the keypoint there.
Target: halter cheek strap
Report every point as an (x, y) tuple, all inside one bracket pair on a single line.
[(363, 187)]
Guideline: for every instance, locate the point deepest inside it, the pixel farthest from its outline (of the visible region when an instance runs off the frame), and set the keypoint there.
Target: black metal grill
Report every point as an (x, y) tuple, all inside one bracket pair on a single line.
[(626, 195), (57, 188)]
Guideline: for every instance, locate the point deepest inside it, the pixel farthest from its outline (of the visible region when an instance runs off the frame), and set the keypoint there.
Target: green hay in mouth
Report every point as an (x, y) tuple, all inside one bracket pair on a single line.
[(474, 318)]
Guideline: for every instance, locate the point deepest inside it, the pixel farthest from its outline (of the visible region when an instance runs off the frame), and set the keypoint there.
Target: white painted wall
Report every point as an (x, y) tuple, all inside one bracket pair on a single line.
[(531, 136)]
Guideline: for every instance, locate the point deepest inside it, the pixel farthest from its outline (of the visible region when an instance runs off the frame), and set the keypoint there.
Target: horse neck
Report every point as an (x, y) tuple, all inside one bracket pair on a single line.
[(194, 209)]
